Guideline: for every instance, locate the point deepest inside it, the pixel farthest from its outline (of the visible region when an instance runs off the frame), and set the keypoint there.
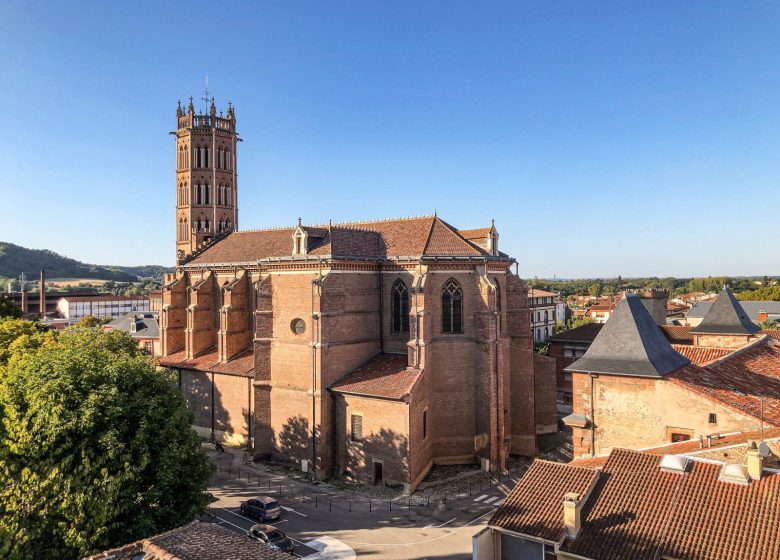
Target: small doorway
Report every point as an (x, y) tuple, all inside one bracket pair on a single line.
[(378, 475)]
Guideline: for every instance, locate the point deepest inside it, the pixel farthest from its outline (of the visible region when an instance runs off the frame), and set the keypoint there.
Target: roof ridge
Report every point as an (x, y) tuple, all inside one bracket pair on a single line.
[(339, 224)]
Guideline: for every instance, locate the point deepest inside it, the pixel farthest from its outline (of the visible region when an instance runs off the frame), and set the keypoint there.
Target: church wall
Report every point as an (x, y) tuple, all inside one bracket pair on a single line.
[(421, 439), (522, 433), (451, 362), (230, 396), (385, 438), (395, 342), (545, 390)]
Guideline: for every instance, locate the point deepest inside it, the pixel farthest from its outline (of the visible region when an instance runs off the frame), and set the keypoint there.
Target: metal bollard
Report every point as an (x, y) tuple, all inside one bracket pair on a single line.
[(280, 489), (330, 504), (350, 505), (391, 504), (409, 505), (369, 506), (316, 500)]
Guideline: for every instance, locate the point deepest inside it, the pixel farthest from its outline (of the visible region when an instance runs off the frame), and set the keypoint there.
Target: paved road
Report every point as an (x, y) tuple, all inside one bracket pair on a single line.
[(326, 529)]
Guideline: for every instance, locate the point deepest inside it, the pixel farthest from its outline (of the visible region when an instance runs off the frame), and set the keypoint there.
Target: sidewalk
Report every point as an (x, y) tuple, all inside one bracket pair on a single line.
[(237, 464)]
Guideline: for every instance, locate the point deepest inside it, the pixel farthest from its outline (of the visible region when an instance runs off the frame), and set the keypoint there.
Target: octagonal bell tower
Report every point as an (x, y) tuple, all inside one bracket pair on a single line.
[(206, 178)]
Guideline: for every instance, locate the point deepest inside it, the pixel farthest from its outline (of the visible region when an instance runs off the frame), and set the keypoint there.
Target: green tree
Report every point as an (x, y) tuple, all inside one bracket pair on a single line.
[(89, 322), (595, 289), (96, 448), (12, 331), (9, 308)]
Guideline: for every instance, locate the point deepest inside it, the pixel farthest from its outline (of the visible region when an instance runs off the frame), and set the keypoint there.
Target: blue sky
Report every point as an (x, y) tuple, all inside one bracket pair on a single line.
[(604, 138)]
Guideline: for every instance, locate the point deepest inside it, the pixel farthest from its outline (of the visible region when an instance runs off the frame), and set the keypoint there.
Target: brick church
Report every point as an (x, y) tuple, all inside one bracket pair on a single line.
[(371, 350)]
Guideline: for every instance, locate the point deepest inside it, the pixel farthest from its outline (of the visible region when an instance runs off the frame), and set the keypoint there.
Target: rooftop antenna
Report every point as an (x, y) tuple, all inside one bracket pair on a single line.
[(206, 97)]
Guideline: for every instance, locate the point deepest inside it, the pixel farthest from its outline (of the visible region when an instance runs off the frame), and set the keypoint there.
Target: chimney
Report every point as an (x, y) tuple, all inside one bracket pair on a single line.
[(42, 295), (755, 463), (762, 316), (572, 514)]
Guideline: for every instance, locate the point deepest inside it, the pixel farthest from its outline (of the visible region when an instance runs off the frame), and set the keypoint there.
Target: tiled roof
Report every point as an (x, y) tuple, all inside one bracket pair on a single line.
[(103, 297), (640, 512), (243, 364), (385, 376), (701, 355), (677, 334), (747, 380), (583, 333), (691, 447), (478, 233), (534, 505), (195, 541), (404, 237), (535, 292), (774, 333), (602, 307)]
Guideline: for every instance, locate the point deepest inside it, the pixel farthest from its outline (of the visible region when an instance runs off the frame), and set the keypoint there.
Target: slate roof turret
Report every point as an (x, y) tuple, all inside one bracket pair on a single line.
[(630, 343), (726, 316)]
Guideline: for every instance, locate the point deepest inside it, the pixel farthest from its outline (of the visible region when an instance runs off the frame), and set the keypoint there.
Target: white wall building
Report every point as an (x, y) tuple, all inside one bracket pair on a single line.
[(111, 306), (543, 315)]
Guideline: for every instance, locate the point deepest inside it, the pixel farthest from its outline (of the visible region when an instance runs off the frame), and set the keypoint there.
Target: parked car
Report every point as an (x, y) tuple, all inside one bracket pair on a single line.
[(271, 536), (263, 508)]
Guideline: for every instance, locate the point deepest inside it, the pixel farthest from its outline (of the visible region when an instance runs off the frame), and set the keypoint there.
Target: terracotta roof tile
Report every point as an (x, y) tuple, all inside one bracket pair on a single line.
[(477, 233), (385, 376), (243, 364), (534, 507), (701, 355), (678, 334), (746, 380), (640, 512), (534, 292), (406, 237), (195, 541), (774, 333)]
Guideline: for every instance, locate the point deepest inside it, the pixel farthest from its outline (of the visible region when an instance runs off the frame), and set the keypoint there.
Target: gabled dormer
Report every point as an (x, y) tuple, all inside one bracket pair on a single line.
[(492, 240), (300, 239)]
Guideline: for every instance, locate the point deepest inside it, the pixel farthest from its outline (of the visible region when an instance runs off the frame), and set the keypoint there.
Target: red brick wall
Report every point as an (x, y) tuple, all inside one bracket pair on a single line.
[(545, 395)]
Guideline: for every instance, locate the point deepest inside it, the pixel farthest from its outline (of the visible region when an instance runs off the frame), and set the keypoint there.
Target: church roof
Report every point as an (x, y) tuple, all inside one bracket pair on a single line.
[(630, 343), (726, 316), (404, 237), (385, 376)]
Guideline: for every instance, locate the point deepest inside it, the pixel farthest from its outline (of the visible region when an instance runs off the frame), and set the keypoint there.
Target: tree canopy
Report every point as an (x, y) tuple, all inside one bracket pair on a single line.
[(9, 308), (96, 447)]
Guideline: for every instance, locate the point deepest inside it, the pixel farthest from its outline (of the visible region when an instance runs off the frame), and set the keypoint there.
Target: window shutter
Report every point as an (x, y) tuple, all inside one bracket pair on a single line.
[(357, 427)]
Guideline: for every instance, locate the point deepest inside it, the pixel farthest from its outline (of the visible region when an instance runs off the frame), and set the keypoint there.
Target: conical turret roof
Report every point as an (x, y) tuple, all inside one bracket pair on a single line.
[(630, 343), (726, 316)]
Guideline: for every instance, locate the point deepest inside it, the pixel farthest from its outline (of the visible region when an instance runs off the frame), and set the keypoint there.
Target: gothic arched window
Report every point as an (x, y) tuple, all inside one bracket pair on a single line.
[(186, 230), (400, 307), (451, 307), (206, 227)]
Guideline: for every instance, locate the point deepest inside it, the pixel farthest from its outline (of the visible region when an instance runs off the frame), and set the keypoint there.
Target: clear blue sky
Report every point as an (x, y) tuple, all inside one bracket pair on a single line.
[(604, 138)]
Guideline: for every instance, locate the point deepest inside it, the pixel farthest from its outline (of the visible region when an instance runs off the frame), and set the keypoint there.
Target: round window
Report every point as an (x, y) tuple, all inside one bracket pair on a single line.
[(298, 326)]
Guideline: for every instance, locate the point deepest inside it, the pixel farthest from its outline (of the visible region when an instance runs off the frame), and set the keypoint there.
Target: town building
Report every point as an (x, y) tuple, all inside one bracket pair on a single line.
[(756, 311), (155, 300), (142, 326), (600, 312), (633, 388), (102, 306), (369, 350), (542, 305), (640, 506), (194, 541)]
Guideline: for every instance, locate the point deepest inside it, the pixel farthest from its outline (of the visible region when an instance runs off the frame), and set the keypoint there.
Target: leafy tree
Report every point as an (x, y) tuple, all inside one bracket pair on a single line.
[(769, 324), (573, 324), (12, 332), (89, 322), (9, 308), (96, 448), (542, 348), (769, 293), (595, 289)]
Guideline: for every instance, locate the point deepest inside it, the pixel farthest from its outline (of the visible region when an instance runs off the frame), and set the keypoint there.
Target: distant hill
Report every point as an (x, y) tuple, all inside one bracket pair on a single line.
[(15, 259)]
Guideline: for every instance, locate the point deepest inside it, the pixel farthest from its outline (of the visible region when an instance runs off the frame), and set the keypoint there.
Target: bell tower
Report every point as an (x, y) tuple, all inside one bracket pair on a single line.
[(206, 179)]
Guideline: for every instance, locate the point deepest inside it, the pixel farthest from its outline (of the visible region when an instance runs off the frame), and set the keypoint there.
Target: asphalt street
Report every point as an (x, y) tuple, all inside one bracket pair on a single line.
[(323, 527)]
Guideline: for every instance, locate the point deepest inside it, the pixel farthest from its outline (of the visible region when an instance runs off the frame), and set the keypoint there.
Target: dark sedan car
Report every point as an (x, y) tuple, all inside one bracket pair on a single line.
[(262, 509), (271, 536)]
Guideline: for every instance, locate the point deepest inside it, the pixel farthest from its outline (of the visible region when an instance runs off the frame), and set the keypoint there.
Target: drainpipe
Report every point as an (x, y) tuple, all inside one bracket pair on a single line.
[(315, 335), (381, 312), (592, 420)]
